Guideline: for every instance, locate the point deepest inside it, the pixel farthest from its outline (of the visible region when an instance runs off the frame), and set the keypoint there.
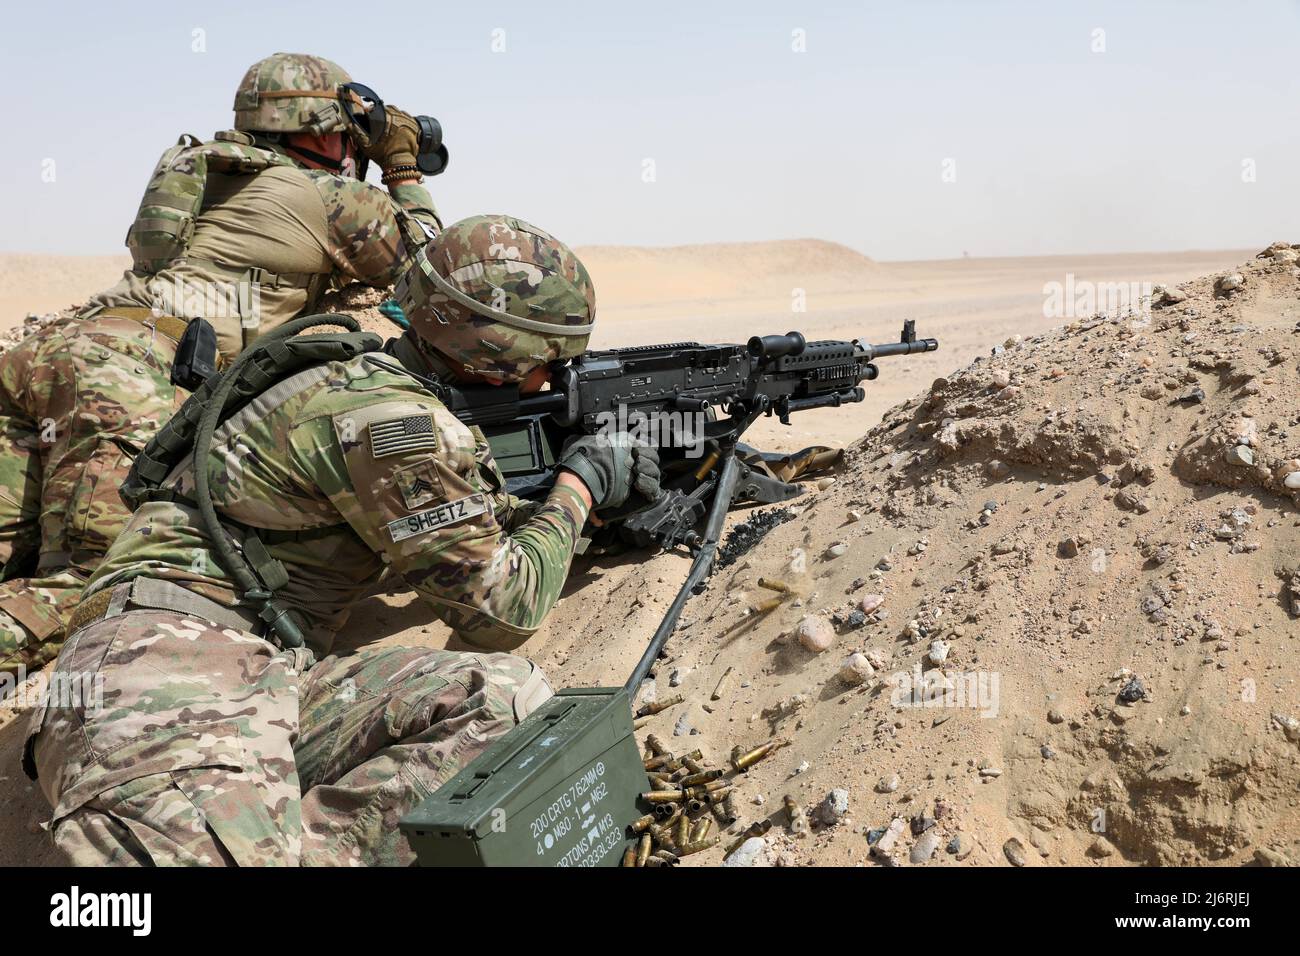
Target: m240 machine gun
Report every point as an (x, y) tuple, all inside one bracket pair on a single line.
[(693, 402)]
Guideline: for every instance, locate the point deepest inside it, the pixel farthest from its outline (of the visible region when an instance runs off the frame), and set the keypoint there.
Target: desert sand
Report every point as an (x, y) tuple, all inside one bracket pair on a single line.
[(1180, 568)]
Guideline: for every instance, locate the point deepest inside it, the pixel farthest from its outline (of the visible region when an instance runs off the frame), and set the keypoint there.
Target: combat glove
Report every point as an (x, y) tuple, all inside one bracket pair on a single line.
[(400, 142), (612, 467)]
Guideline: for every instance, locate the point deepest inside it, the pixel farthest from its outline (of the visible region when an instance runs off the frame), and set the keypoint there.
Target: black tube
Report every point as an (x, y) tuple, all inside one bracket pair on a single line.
[(700, 569), (904, 348), (684, 403), (553, 401), (828, 400)]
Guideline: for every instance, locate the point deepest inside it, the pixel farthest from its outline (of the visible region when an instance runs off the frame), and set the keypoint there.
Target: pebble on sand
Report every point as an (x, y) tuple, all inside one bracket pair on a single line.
[(1240, 455), (856, 670), (1101, 847), (833, 809), (924, 847), (870, 602), (815, 633), (1014, 851), (753, 852)]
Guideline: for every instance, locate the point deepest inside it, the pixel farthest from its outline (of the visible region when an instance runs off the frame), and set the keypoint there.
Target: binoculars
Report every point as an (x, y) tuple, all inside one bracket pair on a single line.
[(366, 117)]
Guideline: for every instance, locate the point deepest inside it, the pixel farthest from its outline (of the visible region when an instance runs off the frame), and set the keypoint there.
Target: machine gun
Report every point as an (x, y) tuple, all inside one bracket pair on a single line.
[(563, 787), (692, 401)]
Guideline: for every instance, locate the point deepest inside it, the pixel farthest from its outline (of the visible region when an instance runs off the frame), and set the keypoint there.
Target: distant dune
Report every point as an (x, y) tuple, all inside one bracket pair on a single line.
[(639, 275)]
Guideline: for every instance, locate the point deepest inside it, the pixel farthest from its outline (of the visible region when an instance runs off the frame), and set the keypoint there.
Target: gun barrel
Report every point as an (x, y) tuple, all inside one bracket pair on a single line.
[(904, 348)]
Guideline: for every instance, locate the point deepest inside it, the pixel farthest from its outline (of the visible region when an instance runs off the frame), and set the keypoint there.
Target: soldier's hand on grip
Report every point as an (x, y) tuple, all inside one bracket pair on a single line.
[(612, 466), (400, 142)]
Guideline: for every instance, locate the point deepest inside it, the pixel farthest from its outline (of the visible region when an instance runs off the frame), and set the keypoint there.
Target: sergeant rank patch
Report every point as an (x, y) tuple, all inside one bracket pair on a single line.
[(453, 512), (419, 484), (399, 435)]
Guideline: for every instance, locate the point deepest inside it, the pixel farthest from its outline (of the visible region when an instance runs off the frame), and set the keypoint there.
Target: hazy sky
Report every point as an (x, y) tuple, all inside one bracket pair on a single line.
[(905, 130)]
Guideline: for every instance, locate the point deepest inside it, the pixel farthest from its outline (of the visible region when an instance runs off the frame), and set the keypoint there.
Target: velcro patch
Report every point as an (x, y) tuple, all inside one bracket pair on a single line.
[(453, 512), (400, 435), (419, 484)]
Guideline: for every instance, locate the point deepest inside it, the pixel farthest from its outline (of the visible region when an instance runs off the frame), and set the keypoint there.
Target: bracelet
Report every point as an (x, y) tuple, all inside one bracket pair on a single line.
[(401, 172)]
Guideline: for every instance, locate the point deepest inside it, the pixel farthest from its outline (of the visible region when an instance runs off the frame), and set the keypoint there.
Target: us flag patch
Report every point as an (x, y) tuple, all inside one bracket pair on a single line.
[(399, 435)]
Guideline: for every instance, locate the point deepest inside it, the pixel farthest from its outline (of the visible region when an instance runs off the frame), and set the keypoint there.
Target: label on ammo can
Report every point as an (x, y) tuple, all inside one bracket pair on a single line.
[(574, 829)]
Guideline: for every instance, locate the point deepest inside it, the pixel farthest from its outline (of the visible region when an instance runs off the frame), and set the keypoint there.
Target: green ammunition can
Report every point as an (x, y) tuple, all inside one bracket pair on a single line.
[(560, 789), (520, 448)]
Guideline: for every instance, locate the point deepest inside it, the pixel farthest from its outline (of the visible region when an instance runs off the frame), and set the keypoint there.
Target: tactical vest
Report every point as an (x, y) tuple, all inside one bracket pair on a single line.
[(164, 224)]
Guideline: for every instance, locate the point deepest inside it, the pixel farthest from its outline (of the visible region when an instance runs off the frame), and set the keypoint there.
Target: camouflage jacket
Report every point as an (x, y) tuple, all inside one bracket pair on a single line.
[(350, 468), (293, 223)]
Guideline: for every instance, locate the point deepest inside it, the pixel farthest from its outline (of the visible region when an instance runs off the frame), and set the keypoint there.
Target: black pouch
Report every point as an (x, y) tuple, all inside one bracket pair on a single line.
[(196, 355)]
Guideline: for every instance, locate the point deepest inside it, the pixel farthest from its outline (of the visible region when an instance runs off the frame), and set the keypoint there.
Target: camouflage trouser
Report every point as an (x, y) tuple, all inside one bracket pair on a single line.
[(77, 400), (198, 744)]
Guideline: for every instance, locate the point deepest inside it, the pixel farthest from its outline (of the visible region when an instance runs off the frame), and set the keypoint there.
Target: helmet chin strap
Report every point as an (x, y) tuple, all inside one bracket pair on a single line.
[(333, 165)]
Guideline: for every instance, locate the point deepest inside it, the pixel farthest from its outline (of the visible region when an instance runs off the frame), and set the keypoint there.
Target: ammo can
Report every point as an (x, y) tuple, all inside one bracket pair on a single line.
[(560, 789)]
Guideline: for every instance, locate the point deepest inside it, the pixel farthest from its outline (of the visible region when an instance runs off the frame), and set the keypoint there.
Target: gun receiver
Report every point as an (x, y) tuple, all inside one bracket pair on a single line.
[(686, 398)]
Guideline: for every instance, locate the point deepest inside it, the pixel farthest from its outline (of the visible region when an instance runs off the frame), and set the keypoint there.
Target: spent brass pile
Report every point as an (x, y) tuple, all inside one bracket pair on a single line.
[(686, 797)]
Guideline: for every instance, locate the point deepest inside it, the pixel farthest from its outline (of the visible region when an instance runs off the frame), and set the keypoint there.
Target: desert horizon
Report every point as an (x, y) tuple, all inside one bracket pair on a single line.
[(39, 282), (656, 294)]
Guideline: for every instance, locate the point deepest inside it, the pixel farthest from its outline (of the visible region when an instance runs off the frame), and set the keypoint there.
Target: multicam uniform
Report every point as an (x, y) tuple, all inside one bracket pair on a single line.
[(78, 399), (212, 746)]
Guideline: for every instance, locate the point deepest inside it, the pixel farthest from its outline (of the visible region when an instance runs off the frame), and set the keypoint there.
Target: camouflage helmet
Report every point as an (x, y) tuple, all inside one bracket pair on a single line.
[(291, 92), (499, 297)]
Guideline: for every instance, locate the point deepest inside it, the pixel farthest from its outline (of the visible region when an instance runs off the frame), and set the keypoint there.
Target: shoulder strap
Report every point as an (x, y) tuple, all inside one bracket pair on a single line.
[(273, 358)]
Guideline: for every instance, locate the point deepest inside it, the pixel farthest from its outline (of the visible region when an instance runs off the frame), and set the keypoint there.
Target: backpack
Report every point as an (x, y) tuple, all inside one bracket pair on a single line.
[(164, 224)]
